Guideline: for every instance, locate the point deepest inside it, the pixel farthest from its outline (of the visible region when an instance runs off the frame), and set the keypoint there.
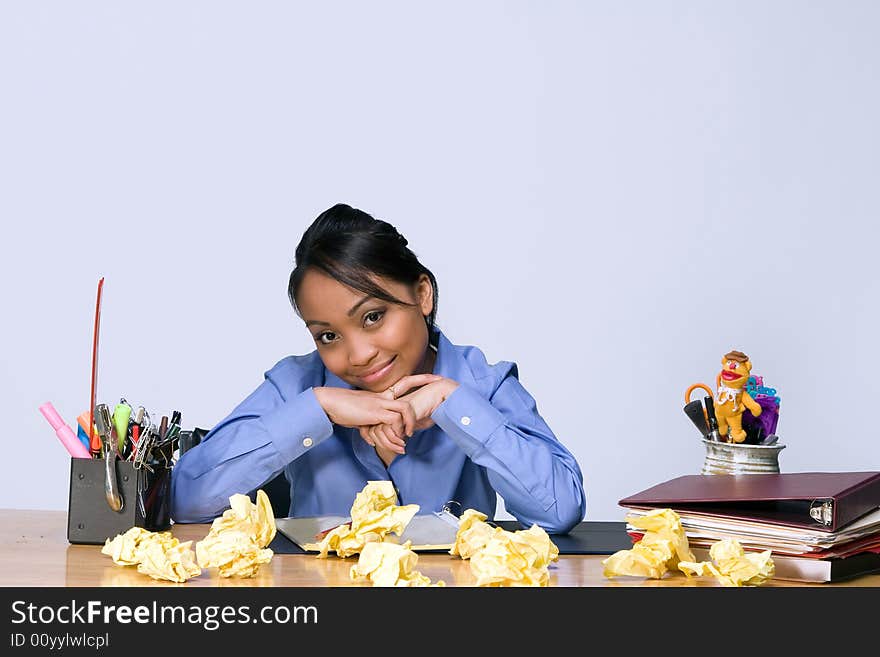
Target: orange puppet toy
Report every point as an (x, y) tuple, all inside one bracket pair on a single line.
[(731, 398)]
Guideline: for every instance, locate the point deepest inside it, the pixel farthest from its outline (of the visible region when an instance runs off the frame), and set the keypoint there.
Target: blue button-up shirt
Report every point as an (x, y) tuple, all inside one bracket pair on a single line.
[(488, 437)]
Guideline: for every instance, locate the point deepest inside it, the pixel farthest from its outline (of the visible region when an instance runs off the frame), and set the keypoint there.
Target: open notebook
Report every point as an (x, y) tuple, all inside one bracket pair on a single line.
[(433, 532)]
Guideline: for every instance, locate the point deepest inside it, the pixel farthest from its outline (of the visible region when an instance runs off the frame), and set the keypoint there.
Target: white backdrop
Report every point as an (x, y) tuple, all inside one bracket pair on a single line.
[(611, 195)]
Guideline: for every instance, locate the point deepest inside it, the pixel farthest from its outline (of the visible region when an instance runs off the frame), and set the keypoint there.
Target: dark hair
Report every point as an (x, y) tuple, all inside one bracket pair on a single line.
[(352, 247)]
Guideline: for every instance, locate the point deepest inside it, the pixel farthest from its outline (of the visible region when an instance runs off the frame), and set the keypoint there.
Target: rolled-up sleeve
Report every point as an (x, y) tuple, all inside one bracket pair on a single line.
[(245, 450), (538, 478)]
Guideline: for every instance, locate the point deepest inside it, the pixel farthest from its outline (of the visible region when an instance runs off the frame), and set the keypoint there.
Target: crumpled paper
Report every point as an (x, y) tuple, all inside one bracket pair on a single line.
[(373, 515), (390, 564), (256, 519), (157, 554), (519, 558), (236, 544), (732, 565), (176, 563), (662, 547), (123, 548), (472, 535)]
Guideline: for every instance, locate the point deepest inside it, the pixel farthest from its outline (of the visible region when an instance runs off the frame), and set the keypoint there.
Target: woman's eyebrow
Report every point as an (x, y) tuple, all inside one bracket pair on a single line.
[(350, 312), (358, 305)]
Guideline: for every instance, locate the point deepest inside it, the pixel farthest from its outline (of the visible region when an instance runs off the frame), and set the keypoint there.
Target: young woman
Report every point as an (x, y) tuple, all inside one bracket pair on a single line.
[(385, 396)]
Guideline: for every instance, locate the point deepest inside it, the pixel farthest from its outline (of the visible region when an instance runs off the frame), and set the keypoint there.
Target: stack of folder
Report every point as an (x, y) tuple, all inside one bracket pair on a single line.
[(819, 526)]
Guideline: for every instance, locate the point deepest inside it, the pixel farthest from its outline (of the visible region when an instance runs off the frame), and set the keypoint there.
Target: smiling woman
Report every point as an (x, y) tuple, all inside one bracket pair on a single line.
[(367, 344), (385, 396)]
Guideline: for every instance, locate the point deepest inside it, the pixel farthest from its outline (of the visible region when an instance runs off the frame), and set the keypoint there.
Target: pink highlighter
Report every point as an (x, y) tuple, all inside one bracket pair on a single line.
[(65, 433)]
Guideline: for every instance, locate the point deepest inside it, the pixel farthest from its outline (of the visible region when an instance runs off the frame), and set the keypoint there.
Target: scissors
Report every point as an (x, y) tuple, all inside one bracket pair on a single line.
[(104, 423)]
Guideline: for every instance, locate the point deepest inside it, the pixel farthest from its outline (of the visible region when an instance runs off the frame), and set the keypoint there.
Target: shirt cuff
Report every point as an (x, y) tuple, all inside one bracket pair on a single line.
[(298, 425), (468, 418)]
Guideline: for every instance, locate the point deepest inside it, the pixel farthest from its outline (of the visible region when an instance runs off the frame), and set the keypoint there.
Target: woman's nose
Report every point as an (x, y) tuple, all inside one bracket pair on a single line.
[(361, 352)]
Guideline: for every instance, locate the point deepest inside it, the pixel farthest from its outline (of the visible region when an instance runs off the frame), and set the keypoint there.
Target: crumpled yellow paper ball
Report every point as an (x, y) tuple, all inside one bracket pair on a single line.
[(662, 547), (255, 519), (374, 514), (157, 554), (236, 543), (472, 535), (732, 565), (519, 558), (176, 563), (390, 564), (233, 552), (375, 496), (123, 548), (647, 558)]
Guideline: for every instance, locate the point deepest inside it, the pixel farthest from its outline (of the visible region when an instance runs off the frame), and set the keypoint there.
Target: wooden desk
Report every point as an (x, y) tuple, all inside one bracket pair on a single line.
[(34, 552)]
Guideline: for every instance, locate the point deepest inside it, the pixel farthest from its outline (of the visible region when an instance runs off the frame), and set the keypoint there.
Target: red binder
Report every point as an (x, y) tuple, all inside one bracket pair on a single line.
[(825, 501)]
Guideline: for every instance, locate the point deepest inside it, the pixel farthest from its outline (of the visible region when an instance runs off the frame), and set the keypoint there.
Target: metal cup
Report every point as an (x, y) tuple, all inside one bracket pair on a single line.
[(740, 458)]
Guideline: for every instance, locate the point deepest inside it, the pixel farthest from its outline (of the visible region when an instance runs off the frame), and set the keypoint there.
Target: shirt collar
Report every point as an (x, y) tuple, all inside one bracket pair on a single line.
[(451, 363)]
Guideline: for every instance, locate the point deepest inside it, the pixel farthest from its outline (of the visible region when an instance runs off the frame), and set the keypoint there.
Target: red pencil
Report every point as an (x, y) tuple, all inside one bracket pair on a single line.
[(94, 439)]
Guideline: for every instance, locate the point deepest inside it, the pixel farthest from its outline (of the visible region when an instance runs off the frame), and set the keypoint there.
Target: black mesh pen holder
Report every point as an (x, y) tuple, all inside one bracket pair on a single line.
[(146, 500)]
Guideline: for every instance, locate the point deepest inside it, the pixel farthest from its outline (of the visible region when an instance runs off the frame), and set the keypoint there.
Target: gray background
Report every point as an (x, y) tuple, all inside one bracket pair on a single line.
[(613, 195)]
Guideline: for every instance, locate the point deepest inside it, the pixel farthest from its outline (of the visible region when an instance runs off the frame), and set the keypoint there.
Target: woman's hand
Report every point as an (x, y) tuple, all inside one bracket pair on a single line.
[(365, 410), (387, 437), (423, 402)]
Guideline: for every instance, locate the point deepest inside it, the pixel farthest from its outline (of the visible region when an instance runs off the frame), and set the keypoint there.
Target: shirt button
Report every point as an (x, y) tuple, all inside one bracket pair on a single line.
[(307, 442), (465, 420)]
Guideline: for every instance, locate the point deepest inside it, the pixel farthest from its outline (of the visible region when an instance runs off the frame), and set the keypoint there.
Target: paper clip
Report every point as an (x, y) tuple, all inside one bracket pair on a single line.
[(145, 445)]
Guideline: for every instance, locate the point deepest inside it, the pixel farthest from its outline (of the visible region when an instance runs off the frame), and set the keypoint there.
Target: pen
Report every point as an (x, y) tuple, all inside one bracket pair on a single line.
[(139, 415), (65, 433), (139, 429), (713, 421), (83, 438), (135, 436), (83, 422), (173, 433)]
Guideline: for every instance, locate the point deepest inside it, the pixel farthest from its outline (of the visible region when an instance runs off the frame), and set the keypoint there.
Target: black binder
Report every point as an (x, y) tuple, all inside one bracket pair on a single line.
[(594, 537)]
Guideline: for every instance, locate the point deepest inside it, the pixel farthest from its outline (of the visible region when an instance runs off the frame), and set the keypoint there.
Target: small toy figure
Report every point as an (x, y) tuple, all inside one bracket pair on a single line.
[(731, 399)]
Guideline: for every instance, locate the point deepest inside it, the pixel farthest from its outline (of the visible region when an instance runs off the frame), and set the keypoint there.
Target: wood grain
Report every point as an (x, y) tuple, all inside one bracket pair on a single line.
[(34, 552)]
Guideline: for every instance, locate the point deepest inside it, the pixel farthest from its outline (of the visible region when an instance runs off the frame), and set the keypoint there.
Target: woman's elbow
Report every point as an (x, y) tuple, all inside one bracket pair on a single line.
[(188, 506), (568, 515), (563, 524)]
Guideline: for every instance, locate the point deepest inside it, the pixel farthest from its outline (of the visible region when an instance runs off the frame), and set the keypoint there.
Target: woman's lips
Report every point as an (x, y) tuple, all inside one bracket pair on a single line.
[(378, 374)]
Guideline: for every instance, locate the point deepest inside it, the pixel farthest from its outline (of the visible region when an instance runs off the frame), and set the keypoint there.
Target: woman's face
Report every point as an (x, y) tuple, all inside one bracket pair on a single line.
[(367, 342)]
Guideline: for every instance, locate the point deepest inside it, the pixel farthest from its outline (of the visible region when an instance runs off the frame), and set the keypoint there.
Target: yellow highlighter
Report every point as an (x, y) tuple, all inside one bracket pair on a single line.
[(121, 414)]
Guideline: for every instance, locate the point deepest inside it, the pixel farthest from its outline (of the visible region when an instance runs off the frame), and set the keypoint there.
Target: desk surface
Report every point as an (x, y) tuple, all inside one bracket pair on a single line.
[(34, 552)]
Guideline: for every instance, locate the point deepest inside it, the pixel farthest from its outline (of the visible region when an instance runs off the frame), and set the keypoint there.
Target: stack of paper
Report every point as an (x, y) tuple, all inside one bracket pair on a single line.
[(820, 526), (702, 531)]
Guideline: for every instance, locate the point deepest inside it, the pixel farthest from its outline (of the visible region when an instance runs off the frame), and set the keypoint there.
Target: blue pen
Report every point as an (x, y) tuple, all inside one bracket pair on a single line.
[(83, 438)]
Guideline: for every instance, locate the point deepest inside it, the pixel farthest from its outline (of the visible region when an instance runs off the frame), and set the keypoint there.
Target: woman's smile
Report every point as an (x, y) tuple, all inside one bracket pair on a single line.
[(379, 374)]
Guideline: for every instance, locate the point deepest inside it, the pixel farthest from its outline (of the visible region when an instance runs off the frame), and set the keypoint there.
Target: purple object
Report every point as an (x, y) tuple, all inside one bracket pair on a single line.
[(762, 426)]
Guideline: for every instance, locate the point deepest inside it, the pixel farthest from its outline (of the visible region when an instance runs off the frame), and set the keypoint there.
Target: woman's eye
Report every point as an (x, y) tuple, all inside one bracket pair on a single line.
[(326, 337), (373, 317)]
